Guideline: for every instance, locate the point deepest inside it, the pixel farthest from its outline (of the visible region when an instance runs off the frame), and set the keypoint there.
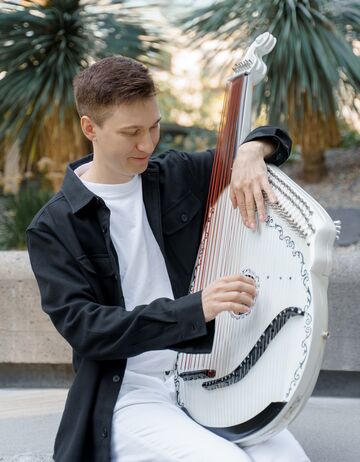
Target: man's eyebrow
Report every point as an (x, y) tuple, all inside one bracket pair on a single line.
[(137, 126)]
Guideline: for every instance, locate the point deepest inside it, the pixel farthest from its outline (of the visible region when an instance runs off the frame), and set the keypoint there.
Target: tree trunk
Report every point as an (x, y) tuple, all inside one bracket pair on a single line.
[(314, 132), (313, 147), (12, 176), (314, 167), (61, 142)]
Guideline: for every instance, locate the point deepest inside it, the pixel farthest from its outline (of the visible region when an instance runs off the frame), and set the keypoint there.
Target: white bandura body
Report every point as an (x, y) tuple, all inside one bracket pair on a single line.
[(290, 270), (290, 257)]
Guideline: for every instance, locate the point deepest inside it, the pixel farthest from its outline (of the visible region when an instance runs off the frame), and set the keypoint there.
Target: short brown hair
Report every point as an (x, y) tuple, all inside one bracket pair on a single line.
[(109, 82)]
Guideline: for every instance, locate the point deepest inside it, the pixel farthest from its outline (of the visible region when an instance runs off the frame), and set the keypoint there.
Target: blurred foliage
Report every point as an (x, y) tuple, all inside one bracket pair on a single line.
[(16, 213), (43, 45), (349, 138), (311, 71), (187, 139), (345, 14), (311, 53), (174, 106)]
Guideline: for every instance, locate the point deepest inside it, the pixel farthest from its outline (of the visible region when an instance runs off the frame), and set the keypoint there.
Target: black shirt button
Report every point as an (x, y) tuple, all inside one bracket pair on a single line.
[(184, 218), (104, 229), (104, 433), (116, 378)]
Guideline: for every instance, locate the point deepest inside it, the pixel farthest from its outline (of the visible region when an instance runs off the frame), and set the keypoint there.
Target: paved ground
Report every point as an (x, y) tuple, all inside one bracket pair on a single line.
[(350, 224), (328, 428)]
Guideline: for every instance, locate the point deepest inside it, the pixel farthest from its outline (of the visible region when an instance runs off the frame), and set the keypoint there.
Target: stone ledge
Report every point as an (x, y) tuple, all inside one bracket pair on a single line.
[(28, 336), (21, 375)]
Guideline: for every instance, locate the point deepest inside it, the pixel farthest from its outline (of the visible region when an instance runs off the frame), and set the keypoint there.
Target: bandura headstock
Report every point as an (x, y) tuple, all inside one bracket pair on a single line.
[(252, 62)]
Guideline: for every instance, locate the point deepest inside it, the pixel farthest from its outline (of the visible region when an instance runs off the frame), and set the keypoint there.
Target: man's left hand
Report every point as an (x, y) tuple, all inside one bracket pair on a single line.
[(249, 179)]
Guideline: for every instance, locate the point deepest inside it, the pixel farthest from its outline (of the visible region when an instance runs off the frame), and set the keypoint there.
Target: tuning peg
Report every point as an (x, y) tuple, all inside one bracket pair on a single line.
[(337, 224)]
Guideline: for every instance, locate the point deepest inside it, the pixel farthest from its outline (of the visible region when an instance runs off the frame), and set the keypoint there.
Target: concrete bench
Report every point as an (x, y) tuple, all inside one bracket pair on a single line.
[(29, 341)]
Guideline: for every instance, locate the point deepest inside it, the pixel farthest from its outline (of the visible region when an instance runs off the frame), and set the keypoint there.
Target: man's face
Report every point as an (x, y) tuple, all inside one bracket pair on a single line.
[(128, 137)]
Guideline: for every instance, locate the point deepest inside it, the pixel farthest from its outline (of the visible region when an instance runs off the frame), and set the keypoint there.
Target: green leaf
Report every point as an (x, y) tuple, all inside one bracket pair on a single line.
[(311, 55), (41, 55)]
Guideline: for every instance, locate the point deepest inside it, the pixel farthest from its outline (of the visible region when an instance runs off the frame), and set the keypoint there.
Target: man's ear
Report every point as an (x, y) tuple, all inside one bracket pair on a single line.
[(88, 128)]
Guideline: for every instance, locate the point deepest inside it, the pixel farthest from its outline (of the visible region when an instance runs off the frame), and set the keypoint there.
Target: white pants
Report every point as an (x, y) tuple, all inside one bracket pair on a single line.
[(162, 432)]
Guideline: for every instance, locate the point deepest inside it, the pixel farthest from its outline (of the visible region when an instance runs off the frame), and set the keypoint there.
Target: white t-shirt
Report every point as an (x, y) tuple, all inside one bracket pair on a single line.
[(144, 278)]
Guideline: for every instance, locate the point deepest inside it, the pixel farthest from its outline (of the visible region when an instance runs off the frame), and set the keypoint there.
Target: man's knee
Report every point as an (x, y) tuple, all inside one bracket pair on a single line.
[(281, 448)]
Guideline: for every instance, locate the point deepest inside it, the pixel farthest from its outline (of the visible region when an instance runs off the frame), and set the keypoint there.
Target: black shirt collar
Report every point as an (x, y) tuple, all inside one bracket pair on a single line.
[(73, 188), (75, 192)]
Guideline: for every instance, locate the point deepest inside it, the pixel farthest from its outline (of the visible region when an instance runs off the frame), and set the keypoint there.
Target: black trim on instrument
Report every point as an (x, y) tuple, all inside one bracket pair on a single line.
[(251, 359), (237, 432)]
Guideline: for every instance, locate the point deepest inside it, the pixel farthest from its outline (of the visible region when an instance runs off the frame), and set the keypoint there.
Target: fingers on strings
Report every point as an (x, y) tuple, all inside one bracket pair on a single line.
[(252, 202)]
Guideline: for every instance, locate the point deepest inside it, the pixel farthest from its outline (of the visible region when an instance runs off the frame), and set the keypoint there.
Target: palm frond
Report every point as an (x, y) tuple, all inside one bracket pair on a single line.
[(311, 57), (44, 45), (345, 14)]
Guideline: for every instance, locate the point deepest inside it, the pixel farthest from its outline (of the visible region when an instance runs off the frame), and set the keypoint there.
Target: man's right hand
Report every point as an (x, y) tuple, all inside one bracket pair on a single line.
[(229, 293)]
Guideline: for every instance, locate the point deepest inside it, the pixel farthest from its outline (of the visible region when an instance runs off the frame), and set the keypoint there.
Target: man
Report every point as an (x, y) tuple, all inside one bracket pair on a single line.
[(113, 254)]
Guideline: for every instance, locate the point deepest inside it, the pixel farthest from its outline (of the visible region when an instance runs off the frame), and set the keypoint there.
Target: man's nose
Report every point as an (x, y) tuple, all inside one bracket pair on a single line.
[(146, 144)]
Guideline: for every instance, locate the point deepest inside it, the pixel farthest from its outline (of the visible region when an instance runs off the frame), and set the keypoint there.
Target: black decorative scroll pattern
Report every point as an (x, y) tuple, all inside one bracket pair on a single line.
[(305, 280), (251, 359), (177, 382)]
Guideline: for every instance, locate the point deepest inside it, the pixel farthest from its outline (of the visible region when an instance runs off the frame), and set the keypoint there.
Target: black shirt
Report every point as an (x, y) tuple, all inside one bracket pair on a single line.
[(77, 270)]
